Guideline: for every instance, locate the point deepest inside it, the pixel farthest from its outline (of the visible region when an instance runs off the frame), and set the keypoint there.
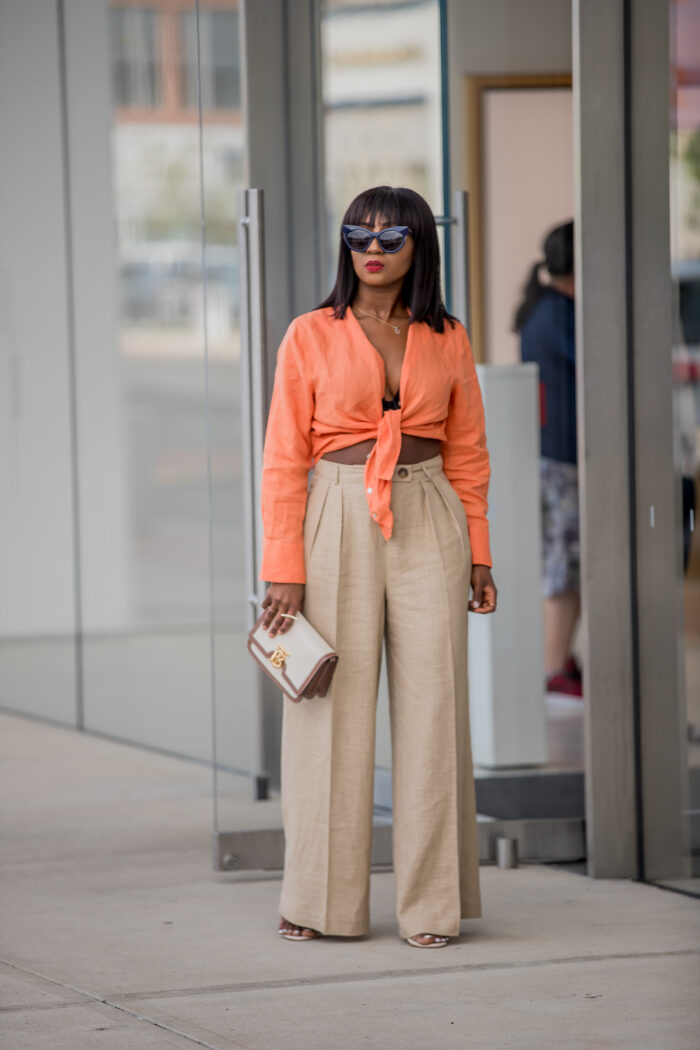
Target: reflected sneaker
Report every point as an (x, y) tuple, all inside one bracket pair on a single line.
[(560, 682), (572, 668)]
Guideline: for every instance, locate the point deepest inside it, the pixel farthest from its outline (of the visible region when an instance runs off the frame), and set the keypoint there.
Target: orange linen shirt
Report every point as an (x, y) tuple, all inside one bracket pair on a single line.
[(328, 390)]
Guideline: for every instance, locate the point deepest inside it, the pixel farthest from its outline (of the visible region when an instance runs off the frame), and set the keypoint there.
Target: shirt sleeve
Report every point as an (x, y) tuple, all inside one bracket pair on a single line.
[(464, 452), (286, 463)]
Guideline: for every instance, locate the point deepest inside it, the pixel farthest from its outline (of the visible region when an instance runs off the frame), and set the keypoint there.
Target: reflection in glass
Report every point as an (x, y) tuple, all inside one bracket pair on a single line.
[(157, 204), (383, 125), (148, 663), (523, 314), (134, 52), (685, 274), (220, 72), (382, 103), (381, 81), (545, 320)]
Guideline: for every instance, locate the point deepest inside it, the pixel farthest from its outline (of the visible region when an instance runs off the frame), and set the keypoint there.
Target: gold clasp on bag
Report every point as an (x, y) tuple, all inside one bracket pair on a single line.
[(279, 657)]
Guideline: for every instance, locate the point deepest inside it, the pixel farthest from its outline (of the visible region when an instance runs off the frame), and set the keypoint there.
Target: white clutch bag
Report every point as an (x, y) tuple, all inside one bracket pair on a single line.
[(300, 661)]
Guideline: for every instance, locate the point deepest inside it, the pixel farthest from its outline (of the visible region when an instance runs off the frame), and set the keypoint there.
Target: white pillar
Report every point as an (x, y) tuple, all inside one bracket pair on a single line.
[(507, 698)]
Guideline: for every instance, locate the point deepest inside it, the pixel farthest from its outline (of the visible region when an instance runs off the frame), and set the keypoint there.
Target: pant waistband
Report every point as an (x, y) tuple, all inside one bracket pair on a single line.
[(403, 472)]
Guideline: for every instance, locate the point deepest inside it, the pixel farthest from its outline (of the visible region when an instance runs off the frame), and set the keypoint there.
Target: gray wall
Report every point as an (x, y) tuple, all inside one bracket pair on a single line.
[(37, 565), (500, 36)]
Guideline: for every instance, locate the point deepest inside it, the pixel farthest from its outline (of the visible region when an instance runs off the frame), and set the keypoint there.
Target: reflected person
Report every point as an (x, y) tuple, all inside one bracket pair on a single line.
[(545, 320)]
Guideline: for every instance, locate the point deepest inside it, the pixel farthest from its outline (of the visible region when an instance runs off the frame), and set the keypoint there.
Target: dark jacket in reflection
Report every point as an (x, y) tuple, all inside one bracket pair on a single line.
[(548, 337)]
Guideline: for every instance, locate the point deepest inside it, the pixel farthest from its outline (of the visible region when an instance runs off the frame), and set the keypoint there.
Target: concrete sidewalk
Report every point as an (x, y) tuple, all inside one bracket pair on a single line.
[(117, 934)]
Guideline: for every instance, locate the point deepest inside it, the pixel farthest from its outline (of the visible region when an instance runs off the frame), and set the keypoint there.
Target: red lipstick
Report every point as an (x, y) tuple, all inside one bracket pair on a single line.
[(374, 266)]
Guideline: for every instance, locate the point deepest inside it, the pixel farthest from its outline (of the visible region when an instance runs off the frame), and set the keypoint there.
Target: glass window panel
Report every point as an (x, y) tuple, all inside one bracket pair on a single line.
[(38, 667), (383, 124), (219, 59), (382, 103), (147, 334), (381, 80), (684, 187), (134, 53)]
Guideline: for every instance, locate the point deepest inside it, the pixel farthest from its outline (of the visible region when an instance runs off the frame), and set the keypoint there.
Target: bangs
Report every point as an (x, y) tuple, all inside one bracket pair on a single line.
[(381, 202)]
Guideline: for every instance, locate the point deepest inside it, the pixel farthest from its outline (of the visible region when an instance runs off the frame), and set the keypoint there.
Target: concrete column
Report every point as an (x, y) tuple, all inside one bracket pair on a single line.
[(658, 530), (603, 435)]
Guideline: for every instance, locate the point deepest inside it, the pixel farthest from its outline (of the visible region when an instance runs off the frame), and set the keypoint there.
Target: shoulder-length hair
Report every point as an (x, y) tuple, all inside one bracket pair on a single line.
[(421, 286)]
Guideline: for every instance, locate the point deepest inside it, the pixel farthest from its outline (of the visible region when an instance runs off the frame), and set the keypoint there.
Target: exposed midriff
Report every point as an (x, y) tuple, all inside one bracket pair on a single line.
[(413, 450)]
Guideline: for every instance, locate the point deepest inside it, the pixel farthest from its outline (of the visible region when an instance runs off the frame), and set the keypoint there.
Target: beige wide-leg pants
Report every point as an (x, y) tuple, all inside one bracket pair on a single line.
[(410, 591)]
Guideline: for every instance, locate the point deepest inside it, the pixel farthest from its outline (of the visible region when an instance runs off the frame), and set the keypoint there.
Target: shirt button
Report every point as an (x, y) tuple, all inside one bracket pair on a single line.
[(369, 490), (403, 473)]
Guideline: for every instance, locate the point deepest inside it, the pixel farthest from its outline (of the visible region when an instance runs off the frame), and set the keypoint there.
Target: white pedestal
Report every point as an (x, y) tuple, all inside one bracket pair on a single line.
[(506, 666)]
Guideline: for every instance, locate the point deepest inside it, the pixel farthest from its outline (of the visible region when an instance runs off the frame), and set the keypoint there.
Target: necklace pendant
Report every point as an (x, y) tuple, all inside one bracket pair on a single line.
[(397, 329)]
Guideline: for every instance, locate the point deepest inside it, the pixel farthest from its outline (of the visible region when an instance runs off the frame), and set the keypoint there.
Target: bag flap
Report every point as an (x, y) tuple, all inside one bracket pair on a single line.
[(292, 658)]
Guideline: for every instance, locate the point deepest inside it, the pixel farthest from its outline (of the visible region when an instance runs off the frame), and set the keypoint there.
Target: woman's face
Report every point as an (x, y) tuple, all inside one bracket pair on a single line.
[(377, 268)]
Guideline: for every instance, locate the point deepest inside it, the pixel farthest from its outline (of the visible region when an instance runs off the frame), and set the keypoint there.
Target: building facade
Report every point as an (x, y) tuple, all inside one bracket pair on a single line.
[(146, 288)]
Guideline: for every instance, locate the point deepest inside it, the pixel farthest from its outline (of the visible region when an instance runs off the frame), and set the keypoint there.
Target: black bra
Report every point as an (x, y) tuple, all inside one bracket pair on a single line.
[(394, 403)]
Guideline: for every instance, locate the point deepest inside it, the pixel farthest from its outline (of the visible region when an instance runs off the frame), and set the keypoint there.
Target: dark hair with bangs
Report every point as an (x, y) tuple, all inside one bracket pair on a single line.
[(421, 285)]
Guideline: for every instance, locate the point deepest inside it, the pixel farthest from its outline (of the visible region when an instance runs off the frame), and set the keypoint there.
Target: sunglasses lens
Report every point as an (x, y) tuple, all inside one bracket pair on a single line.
[(358, 240), (391, 240)]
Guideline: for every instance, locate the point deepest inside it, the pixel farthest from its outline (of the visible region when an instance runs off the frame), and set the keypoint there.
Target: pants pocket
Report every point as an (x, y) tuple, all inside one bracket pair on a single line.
[(455, 509), (318, 491)]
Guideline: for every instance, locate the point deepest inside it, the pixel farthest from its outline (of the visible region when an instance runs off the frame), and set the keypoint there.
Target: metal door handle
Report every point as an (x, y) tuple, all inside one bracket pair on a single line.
[(253, 374)]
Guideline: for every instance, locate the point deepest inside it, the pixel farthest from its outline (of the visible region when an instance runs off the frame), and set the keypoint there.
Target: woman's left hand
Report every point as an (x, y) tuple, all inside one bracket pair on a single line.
[(484, 591)]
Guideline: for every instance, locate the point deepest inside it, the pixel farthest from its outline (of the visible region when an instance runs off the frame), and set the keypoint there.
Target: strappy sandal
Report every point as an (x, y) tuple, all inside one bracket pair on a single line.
[(305, 932), (438, 941)]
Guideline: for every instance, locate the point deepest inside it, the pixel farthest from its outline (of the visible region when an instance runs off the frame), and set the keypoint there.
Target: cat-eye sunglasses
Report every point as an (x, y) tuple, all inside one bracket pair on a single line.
[(390, 239)]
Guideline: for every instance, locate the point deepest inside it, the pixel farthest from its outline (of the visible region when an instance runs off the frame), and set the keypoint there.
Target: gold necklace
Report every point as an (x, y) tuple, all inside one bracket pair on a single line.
[(394, 326)]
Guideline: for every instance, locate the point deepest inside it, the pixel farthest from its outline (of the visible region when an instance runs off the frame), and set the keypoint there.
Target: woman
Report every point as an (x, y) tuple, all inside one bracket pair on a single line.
[(546, 322), (377, 388)]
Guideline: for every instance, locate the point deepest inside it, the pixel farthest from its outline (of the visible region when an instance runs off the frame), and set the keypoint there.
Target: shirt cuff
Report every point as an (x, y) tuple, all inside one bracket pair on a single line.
[(283, 561), (479, 543)]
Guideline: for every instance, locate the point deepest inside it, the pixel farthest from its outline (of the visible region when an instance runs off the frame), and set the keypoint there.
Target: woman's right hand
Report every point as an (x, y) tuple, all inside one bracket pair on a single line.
[(282, 598)]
